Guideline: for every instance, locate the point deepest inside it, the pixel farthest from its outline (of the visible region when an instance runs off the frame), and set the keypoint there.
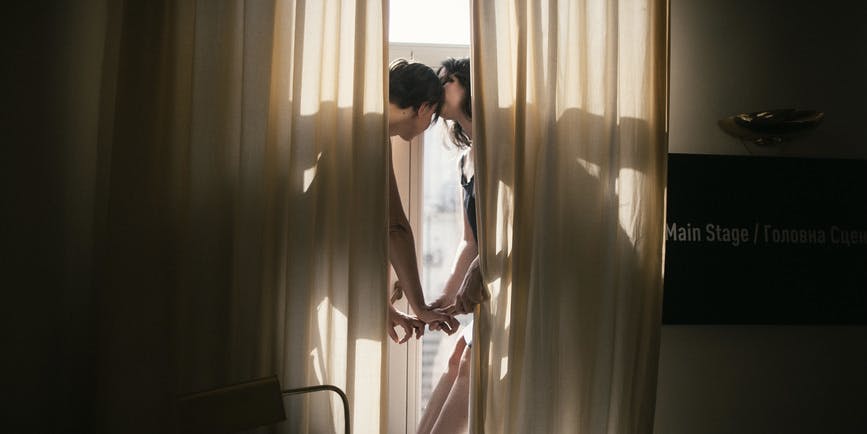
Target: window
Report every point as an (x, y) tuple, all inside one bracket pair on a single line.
[(444, 22)]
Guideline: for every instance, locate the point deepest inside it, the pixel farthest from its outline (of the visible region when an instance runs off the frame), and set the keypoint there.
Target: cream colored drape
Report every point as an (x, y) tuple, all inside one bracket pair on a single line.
[(569, 111), (285, 199), (216, 172)]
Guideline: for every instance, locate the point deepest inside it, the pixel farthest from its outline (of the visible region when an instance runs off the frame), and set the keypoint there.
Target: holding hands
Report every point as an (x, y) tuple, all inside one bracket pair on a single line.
[(471, 292), (437, 319)]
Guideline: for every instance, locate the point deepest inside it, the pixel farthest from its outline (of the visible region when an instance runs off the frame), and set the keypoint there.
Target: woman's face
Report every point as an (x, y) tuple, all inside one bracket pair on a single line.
[(454, 98)]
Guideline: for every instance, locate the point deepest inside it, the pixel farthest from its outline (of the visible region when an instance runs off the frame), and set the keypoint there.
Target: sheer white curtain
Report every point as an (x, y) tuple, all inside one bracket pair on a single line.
[(570, 112), (283, 168), (216, 173)]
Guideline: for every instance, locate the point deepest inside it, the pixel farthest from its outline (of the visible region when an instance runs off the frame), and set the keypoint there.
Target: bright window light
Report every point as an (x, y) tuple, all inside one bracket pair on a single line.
[(429, 22)]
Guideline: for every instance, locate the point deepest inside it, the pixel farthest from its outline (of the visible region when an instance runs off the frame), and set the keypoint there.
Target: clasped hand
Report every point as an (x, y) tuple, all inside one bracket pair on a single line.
[(436, 319), (471, 293)]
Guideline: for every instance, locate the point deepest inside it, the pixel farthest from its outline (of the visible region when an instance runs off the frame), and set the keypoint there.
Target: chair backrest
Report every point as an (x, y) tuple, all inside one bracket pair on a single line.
[(231, 408)]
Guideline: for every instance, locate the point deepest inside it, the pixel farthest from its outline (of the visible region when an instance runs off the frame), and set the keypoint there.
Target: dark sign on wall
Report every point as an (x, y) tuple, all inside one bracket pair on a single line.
[(759, 240)]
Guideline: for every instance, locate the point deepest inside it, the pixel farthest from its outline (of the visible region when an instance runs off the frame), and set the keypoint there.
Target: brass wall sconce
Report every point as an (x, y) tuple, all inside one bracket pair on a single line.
[(771, 127)]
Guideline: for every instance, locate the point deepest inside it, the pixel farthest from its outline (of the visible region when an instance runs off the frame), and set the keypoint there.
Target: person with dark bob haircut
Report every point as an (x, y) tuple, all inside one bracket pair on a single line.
[(455, 77), (415, 96), (448, 408)]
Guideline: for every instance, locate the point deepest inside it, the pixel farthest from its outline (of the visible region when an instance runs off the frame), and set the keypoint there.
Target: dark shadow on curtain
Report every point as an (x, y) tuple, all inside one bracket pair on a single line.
[(102, 326), (575, 200)]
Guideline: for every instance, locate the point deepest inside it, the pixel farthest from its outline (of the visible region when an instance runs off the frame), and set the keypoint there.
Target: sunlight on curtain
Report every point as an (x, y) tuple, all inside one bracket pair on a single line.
[(569, 112), (368, 374), (240, 205)]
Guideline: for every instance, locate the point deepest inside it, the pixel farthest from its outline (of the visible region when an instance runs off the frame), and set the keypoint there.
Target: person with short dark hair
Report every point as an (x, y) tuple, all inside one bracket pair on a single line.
[(415, 96)]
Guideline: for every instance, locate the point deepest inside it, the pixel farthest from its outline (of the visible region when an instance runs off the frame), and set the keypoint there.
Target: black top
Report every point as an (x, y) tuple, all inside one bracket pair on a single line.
[(469, 199)]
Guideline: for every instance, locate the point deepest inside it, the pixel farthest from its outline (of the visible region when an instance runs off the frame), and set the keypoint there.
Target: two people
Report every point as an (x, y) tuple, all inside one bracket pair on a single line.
[(417, 96)]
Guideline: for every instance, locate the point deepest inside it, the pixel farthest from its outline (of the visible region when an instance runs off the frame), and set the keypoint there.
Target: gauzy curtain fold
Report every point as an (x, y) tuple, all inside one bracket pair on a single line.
[(570, 112), (222, 169)]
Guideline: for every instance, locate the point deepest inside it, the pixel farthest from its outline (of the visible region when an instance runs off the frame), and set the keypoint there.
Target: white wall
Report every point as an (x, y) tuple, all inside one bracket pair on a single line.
[(734, 56), (762, 379)]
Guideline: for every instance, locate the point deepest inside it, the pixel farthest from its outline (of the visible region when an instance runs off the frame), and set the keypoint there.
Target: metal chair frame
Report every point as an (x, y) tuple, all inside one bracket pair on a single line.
[(325, 387)]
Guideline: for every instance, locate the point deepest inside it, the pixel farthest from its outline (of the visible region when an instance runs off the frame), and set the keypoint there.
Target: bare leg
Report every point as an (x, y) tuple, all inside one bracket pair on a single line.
[(442, 389), (454, 416)]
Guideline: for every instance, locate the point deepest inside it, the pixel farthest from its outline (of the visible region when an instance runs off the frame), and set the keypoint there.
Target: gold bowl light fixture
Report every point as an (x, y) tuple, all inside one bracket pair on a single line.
[(771, 127)]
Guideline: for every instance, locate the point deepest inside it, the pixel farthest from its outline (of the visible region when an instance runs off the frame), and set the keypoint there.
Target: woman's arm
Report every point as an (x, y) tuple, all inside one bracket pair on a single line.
[(471, 292), (467, 251)]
